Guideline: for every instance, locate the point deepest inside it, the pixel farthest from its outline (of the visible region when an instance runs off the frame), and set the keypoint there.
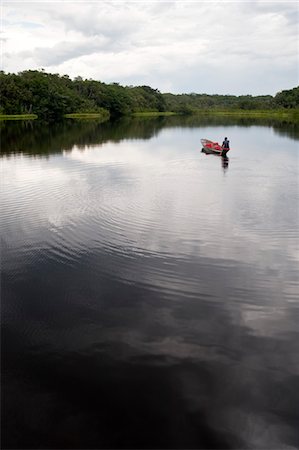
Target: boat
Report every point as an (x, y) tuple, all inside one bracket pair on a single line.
[(213, 147)]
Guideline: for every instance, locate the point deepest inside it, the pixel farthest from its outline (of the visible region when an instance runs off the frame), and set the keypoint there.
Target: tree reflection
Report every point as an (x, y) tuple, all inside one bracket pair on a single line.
[(42, 138)]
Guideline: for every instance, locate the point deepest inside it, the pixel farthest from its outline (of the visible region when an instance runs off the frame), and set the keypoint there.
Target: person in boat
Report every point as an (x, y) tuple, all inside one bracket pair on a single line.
[(225, 145)]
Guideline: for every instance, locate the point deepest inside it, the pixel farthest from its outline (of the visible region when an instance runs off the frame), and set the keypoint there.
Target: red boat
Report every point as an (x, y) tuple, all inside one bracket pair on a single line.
[(213, 147)]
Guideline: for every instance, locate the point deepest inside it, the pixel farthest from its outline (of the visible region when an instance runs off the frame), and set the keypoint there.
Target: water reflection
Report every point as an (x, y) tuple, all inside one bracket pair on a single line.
[(149, 301), (224, 162), (224, 159), (38, 138)]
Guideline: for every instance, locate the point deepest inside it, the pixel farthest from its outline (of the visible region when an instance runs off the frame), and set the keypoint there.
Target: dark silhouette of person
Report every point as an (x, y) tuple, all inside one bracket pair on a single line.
[(225, 146)]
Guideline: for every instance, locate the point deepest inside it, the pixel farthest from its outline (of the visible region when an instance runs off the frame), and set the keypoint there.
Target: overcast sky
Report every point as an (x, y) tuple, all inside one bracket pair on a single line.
[(224, 47)]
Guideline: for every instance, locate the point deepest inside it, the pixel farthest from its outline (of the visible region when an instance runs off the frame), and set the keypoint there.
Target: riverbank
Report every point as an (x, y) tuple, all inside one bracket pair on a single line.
[(255, 114), (154, 113), (103, 116), (290, 114), (282, 114), (18, 116), (88, 116)]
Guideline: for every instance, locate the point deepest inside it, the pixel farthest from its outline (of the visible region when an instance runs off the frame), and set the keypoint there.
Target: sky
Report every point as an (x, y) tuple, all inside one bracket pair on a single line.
[(224, 47)]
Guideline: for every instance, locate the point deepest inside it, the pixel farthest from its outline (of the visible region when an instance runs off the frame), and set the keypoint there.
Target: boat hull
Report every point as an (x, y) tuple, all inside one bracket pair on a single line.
[(213, 148)]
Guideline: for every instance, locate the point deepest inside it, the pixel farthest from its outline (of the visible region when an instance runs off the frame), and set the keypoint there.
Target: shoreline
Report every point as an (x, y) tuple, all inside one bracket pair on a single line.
[(271, 114)]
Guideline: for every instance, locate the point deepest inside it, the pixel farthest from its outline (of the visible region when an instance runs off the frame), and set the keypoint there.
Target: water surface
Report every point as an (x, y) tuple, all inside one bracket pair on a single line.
[(149, 291)]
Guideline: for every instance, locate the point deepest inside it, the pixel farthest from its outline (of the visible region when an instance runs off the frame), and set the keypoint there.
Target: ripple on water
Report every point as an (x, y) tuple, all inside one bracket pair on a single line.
[(140, 265)]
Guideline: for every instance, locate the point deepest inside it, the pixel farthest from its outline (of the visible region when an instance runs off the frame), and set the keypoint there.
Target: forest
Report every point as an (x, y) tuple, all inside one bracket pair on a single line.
[(51, 96)]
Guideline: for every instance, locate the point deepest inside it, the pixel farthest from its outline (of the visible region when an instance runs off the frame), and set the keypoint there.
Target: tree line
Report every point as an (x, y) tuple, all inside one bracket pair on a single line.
[(51, 96)]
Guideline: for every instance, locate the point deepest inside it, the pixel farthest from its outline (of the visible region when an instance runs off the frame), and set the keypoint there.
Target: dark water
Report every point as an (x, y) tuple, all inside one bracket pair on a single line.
[(149, 291)]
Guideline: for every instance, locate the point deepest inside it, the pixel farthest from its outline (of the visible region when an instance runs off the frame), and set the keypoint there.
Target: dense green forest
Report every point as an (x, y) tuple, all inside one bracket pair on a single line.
[(51, 96)]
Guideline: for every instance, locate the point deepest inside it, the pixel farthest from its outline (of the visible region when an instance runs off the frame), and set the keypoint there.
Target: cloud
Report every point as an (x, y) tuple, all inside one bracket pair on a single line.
[(64, 51), (179, 46)]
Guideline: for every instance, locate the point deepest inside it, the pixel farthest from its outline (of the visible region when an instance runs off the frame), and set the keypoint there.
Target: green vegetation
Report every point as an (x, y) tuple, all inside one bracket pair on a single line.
[(18, 116), (154, 113), (191, 103), (52, 96), (103, 115), (255, 114)]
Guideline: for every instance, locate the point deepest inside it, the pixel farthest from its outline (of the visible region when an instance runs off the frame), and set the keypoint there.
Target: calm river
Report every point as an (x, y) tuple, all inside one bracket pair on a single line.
[(149, 291)]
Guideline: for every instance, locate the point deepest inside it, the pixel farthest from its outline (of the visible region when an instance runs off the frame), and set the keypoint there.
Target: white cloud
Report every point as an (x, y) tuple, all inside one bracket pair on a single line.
[(217, 47), (64, 51)]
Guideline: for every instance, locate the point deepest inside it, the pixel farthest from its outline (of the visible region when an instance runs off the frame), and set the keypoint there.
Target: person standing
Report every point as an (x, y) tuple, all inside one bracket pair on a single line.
[(225, 146)]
